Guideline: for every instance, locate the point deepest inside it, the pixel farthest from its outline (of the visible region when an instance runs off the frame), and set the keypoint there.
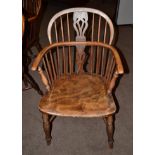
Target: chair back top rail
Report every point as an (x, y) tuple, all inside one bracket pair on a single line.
[(81, 9)]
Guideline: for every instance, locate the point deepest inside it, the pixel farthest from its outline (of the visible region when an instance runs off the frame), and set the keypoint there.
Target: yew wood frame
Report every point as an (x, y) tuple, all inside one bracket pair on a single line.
[(89, 43), (90, 10), (119, 70), (42, 56)]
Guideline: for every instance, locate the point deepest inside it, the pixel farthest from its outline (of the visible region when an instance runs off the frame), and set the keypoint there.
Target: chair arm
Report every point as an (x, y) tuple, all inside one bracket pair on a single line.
[(119, 66), (39, 57)]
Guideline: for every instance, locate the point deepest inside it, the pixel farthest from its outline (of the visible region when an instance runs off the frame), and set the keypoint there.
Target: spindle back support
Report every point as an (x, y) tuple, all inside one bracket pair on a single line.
[(53, 60), (79, 57), (79, 24), (62, 25)]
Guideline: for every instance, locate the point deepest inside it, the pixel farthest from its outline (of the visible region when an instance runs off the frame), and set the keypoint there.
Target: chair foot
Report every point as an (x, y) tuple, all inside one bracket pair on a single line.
[(47, 128), (110, 144), (48, 141)]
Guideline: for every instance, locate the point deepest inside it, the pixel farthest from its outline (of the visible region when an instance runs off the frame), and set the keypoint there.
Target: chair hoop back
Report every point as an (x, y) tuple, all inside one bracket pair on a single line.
[(92, 24)]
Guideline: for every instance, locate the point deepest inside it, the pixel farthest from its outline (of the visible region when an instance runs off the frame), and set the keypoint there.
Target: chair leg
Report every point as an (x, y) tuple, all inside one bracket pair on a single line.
[(47, 127), (110, 129)]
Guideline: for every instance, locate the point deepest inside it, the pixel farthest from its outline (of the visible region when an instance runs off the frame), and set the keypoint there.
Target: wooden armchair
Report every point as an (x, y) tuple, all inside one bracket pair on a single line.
[(80, 70)]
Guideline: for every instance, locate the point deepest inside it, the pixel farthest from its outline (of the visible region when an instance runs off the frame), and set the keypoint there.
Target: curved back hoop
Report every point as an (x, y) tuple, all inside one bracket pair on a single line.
[(93, 20)]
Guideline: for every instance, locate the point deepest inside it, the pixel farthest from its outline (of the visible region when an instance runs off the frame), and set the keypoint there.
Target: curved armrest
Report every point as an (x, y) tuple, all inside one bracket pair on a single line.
[(39, 57)]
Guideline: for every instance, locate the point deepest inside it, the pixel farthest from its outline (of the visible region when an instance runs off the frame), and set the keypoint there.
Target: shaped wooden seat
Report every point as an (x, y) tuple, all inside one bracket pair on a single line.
[(80, 68), (82, 96)]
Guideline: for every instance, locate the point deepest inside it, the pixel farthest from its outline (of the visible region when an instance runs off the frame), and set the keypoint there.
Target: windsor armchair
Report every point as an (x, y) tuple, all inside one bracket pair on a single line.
[(80, 68), (30, 36)]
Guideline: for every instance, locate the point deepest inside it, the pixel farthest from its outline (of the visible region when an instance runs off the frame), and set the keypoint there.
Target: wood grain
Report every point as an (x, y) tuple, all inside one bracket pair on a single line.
[(81, 70), (88, 10), (82, 95)]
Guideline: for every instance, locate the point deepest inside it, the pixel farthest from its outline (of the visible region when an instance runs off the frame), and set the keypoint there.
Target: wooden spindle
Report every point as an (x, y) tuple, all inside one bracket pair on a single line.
[(107, 61), (63, 50), (92, 52), (112, 82), (111, 69), (43, 78), (53, 67), (110, 65), (105, 32), (103, 51), (45, 66), (70, 58), (107, 65), (49, 68), (58, 57), (98, 51), (99, 28), (103, 62)]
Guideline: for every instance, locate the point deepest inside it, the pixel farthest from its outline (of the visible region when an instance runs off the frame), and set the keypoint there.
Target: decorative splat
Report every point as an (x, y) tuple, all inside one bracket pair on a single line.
[(80, 24)]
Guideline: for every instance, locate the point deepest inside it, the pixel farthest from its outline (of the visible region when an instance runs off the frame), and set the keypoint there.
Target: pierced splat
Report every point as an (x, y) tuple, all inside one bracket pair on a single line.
[(80, 24)]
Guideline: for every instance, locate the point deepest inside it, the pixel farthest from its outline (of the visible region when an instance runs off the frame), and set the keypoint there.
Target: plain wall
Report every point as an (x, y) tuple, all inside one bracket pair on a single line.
[(124, 12)]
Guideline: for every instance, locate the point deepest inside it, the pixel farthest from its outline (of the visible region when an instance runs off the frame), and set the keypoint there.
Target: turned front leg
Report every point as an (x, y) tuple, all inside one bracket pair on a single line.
[(109, 129), (47, 127)]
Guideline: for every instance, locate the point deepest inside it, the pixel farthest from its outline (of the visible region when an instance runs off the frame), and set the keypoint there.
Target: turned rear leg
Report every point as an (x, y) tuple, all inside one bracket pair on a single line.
[(110, 129), (47, 127)]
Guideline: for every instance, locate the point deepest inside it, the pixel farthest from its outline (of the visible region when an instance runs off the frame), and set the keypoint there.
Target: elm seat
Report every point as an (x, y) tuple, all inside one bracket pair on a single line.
[(83, 95)]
